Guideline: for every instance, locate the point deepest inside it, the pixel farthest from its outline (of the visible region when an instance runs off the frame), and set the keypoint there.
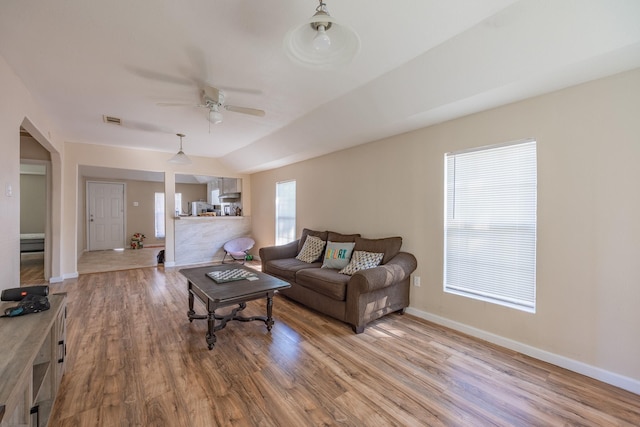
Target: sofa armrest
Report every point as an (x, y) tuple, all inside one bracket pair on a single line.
[(268, 253), (396, 270)]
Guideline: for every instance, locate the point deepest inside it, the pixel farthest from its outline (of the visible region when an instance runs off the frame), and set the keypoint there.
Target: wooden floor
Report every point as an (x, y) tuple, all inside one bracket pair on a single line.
[(32, 268), (134, 360)]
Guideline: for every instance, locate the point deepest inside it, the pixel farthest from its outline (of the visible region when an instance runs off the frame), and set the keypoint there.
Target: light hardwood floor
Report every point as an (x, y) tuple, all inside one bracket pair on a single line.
[(133, 359), (32, 269)]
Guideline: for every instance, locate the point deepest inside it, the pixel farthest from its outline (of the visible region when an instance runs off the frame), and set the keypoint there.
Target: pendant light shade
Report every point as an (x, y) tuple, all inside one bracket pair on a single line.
[(321, 42), (180, 158)]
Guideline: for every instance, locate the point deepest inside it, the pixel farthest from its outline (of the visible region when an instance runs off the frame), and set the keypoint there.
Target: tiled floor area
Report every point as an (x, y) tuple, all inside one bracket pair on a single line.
[(113, 260), (32, 264)]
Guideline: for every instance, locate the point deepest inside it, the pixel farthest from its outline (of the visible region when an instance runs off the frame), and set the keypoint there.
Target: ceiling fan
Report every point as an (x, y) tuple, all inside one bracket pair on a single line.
[(213, 99)]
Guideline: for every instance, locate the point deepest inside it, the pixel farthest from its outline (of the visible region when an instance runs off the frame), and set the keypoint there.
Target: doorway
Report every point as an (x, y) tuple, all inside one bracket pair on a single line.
[(33, 214), (105, 216), (35, 210)]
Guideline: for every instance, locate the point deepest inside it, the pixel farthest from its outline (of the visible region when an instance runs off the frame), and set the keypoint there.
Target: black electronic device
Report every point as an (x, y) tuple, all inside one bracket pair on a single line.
[(29, 304), (18, 294)]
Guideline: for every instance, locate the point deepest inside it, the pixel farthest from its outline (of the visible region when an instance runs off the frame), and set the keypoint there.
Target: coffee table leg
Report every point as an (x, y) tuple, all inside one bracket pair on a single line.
[(269, 320), (211, 324), (190, 313)]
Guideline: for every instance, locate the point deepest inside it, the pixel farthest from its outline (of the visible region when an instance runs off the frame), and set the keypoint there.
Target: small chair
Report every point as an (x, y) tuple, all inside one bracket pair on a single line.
[(238, 248)]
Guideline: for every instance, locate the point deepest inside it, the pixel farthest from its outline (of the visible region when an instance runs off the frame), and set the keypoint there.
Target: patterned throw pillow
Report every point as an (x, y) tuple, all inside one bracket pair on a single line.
[(361, 260), (311, 250), (337, 254)]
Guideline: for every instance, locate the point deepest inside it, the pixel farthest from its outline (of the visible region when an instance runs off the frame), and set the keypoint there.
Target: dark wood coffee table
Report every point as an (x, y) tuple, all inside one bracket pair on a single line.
[(217, 295)]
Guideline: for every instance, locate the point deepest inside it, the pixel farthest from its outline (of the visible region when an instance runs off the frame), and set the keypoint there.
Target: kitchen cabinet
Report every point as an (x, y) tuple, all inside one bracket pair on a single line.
[(34, 352)]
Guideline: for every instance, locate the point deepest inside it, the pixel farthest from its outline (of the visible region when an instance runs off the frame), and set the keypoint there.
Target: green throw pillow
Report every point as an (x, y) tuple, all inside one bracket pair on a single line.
[(338, 254)]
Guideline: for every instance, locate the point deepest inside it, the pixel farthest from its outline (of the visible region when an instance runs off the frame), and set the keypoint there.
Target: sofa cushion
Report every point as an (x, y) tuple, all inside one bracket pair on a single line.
[(287, 267), (362, 260), (312, 249), (389, 246), (337, 254), (306, 232), (339, 237), (325, 281)]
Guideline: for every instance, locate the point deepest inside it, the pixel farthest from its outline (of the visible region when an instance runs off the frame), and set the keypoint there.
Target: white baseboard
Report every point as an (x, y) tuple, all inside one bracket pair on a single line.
[(73, 275), (59, 279), (196, 264), (169, 264), (626, 383)]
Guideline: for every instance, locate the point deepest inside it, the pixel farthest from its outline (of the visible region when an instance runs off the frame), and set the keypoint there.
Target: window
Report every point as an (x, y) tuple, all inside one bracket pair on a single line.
[(285, 212), (490, 224), (159, 212)]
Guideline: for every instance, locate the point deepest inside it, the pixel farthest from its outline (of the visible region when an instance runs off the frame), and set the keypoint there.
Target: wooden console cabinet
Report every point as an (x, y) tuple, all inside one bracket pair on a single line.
[(32, 357)]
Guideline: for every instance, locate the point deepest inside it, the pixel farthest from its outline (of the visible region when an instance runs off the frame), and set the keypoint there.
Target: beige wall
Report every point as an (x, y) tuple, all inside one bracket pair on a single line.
[(32, 203), (32, 150), (191, 192), (141, 218), (588, 269)]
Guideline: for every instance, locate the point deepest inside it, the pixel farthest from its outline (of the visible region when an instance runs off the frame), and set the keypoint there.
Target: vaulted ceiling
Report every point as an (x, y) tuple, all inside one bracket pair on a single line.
[(421, 62)]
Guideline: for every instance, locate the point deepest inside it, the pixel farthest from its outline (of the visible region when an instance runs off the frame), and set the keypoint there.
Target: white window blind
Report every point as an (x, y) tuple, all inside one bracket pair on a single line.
[(490, 224), (285, 212), (159, 212), (159, 215)]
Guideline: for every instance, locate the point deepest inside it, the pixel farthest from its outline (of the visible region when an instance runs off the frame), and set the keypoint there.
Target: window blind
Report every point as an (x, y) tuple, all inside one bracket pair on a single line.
[(159, 215), (285, 212), (158, 210), (490, 224)]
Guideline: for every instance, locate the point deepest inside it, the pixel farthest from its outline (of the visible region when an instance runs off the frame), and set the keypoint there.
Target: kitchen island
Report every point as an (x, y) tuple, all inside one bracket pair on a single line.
[(199, 239)]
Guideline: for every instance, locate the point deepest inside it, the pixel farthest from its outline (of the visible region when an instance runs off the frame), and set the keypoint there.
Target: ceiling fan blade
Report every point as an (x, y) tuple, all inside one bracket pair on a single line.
[(179, 104), (245, 110), (211, 93), (161, 77), (247, 91)]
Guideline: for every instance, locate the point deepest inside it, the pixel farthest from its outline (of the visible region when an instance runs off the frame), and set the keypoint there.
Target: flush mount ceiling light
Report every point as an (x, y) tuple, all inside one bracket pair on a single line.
[(180, 158), (321, 42)]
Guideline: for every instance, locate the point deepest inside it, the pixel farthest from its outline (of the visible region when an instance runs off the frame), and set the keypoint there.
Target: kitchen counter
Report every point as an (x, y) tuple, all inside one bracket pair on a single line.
[(189, 217), (199, 239)]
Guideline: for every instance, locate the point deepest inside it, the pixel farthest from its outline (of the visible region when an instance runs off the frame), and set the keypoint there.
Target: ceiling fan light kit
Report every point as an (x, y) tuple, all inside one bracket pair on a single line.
[(180, 158), (321, 42), (214, 115)]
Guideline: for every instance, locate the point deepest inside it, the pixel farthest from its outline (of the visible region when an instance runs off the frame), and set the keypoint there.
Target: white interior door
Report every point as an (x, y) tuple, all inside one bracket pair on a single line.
[(105, 213)]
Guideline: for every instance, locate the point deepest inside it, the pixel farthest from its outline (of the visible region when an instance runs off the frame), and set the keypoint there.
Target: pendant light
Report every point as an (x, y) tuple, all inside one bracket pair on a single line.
[(180, 158), (321, 42)]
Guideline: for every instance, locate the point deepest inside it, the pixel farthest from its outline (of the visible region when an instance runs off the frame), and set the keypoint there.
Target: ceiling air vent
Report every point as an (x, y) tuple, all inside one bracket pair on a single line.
[(112, 120)]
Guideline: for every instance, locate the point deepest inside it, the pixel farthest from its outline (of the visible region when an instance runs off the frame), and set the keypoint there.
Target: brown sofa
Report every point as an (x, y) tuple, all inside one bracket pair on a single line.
[(357, 299)]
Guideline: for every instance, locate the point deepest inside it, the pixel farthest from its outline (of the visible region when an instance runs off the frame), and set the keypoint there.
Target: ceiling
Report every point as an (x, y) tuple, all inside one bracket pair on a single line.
[(421, 62)]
